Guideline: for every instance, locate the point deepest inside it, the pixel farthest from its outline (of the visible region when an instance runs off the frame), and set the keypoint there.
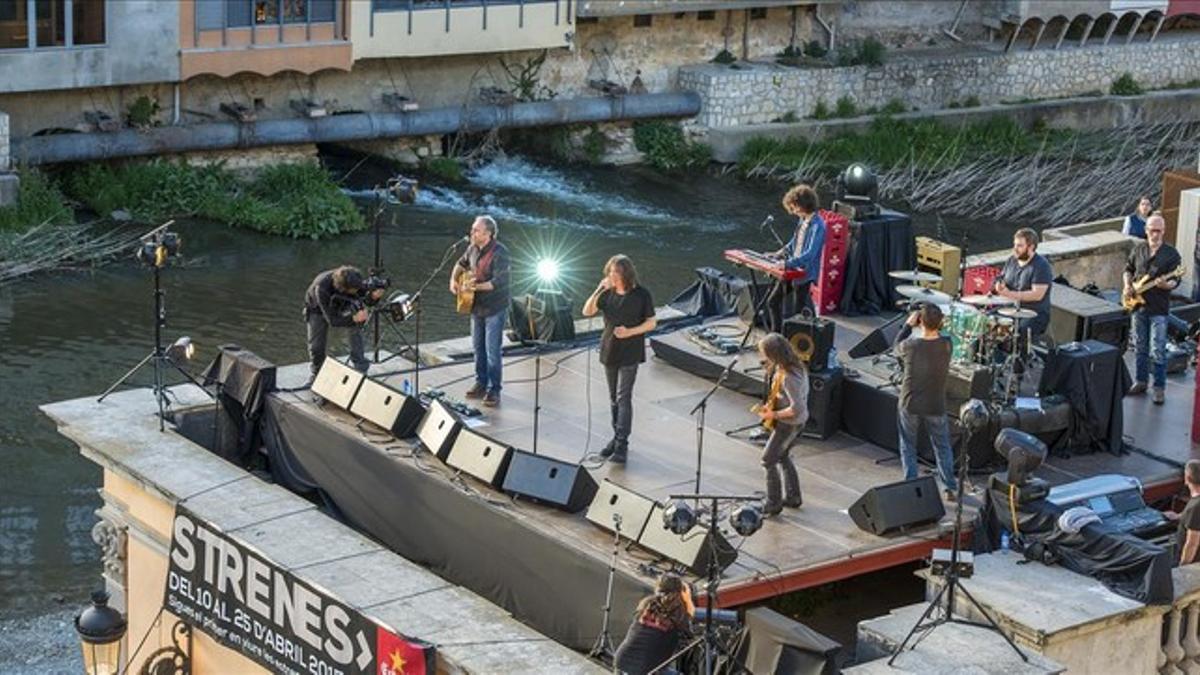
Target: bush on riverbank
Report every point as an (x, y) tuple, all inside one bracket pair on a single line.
[(294, 200), (666, 147), (889, 142), (39, 202)]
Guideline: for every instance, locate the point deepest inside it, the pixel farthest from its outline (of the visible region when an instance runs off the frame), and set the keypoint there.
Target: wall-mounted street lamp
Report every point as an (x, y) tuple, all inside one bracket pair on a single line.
[(100, 629)]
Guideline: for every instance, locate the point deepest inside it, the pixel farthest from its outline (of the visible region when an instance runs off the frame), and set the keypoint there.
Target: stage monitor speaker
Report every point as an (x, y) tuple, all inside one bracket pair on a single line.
[(337, 383), (824, 403), (439, 429), (778, 645), (612, 499), (886, 508), (693, 550), (879, 340), (813, 338), (564, 485), (482, 457), (381, 405)]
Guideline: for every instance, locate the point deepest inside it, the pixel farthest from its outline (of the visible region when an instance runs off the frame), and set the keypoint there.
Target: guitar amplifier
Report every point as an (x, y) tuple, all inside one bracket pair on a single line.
[(812, 338), (1076, 316), (824, 404)]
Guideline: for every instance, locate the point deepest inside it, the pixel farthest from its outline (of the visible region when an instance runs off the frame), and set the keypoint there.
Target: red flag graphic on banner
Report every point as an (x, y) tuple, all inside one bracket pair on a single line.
[(398, 656)]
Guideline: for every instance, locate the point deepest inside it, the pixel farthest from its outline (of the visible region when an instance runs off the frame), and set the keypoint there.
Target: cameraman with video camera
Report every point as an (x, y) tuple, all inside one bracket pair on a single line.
[(338, 298), (661, 623)]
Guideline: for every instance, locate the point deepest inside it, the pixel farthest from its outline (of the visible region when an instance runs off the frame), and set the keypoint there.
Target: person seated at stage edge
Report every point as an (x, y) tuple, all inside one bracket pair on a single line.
[(661, 623), (1153, 257), (801, 252), (1187, 534), (925, 355), (330, 302), (1027, 277), (786, 410)]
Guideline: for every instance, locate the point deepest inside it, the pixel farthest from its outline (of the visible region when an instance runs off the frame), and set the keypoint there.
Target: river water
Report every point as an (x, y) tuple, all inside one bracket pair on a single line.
[(70, 335)]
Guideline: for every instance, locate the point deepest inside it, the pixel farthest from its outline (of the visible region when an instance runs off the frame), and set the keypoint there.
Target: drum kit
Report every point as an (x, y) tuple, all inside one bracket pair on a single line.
[(981, 327)]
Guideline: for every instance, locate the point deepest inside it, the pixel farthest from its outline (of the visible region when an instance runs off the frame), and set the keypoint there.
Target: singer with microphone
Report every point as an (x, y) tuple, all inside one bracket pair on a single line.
[(487, 261), (801, 252)]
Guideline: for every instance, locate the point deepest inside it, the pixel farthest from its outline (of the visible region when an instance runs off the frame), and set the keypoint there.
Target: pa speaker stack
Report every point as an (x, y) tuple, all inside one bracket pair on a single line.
[(895, 506)]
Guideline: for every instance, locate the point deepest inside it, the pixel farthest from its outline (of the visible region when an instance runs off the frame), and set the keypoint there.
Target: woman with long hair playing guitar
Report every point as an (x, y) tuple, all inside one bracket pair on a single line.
[(784, 412)]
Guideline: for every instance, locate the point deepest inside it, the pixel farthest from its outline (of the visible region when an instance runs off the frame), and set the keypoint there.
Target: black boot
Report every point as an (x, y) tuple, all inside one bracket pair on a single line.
[(620, 451), (609, 449), (773, 505)]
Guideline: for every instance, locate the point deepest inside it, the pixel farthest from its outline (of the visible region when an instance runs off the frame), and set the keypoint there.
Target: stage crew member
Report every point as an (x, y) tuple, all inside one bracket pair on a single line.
[(335, 299), (488, 260), (1187, 534), (925, 355), (1152, 257), (802, 252), (628, 313), (661, 622), (786, 412), (1026, 278)]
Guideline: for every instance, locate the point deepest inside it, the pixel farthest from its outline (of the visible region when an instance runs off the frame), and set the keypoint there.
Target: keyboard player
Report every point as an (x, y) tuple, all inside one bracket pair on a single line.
[(801, 252)]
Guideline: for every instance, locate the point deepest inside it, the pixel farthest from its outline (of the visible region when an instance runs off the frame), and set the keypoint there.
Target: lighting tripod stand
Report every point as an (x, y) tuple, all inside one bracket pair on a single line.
[(156, 247), (973, 415)]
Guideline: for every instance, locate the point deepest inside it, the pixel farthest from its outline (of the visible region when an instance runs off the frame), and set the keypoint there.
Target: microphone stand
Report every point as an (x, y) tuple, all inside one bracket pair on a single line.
[(769, 223), (701, 408)]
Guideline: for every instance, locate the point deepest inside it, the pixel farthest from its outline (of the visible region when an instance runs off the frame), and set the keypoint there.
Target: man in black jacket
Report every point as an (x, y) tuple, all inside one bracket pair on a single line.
[(335, 299)]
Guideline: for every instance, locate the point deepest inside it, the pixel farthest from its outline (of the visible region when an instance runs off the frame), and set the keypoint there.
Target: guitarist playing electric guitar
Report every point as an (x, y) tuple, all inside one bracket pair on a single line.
[(785, 413), (1151, 259), (485, 264)]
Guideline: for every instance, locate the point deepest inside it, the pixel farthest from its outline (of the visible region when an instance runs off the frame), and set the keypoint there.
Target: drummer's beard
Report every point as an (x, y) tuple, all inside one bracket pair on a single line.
[(1025, 256)]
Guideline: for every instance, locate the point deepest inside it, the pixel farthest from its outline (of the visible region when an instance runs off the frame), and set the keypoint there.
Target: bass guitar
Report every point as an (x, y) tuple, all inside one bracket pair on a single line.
[(1134, 299), (464, 300)]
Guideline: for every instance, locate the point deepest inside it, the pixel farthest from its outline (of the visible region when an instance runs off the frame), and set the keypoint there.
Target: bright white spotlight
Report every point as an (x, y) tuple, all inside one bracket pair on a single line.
[(547, 270)]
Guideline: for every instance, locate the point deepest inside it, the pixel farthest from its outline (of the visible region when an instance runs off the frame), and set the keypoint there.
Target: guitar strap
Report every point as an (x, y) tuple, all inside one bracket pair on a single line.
[(483, 266)]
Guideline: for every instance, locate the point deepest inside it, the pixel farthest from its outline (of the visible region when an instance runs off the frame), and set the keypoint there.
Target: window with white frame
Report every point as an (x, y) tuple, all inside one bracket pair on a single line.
[(46, 24)]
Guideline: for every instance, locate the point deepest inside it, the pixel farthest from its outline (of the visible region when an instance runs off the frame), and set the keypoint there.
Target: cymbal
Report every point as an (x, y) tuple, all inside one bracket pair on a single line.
[(1016, 313), (987, 300), (914, 277), (923, 294)]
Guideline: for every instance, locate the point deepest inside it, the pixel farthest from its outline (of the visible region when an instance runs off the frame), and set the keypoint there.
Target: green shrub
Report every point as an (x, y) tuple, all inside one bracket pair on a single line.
[(821, 110), (445, 168), (789, 117), (870, 52), (845, 107), (39, 201), (666, 148), (725, 57), (972, 101), (143, 112), (790, 52), (595, 144), (1125, 85), (894, 107), (815, 49)]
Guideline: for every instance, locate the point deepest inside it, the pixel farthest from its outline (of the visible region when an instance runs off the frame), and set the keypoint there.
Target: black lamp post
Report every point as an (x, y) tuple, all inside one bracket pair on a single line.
[(100, 629)]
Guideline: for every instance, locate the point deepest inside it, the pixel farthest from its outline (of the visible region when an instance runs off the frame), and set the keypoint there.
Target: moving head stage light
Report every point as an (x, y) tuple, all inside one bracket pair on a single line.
[(1024, 454)]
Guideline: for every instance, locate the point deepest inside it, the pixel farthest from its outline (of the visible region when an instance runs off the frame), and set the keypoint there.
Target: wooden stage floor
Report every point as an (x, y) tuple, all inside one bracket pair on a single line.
[(804, 547)]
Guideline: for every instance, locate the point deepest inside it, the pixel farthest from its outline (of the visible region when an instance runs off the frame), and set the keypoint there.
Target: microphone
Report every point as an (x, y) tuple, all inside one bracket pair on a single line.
[(766, 221)]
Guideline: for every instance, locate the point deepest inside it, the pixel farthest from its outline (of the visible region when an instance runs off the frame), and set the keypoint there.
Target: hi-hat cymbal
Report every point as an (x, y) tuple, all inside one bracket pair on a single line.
[(987, 300), (1016, 313), (923, 294), (914, 277)]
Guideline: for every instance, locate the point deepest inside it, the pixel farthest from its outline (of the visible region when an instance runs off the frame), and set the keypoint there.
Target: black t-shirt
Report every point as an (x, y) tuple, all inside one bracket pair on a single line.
[(628, 310), (1018, 277), (1164, 261), (1188, 520), (926, 365), (645, 648)]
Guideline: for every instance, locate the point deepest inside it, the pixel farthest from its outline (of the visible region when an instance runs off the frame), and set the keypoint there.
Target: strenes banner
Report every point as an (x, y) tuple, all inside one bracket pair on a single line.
[(247, 603)]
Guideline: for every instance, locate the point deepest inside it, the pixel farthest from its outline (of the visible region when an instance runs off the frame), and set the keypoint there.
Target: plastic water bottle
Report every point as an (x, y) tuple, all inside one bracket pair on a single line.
[(1003, 540), (405, 388)]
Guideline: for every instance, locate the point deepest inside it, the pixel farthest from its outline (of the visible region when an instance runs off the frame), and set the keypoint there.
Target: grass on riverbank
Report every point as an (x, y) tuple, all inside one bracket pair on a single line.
[(889, 142), (293, 200), (39, 202)]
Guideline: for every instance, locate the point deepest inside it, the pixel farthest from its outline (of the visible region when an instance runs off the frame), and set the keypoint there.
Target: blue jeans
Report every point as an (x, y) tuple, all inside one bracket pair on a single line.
[(1150, 341), (487, 335), (938, 428)]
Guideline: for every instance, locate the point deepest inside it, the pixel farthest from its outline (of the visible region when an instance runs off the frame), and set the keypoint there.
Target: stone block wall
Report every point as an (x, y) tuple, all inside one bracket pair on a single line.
[(761, 93), (4, 152)]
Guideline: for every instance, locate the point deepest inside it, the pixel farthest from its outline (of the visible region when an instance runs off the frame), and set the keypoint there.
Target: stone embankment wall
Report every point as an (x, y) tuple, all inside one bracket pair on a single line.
[(761, 93)]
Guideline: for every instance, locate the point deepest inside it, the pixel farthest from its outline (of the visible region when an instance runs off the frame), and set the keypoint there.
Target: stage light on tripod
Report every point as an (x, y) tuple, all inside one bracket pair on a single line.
[(547, 270), (679, 517), (182, 350), (746, 520)]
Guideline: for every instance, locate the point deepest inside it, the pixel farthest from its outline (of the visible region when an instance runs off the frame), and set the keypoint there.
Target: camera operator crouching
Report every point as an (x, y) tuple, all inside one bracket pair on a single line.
[(661, 624), (339, 298)]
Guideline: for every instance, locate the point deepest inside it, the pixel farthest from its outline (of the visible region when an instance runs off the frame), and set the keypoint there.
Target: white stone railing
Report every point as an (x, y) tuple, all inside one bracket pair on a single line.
[(1180, 649)]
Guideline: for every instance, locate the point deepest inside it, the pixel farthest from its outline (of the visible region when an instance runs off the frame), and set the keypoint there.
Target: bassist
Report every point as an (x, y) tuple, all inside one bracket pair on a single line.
[(1150, 259), (486, 259)]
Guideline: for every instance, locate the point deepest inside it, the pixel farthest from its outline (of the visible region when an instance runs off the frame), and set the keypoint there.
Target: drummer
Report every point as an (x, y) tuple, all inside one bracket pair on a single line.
[(1026, 278)]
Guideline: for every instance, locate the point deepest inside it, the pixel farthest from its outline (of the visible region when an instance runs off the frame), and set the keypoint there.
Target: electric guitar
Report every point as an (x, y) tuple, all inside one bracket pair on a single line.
[(772, 399), (465, 298), (1134, 299)]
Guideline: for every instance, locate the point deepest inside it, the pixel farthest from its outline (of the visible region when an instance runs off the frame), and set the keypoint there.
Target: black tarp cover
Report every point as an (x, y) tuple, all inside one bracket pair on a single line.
[(458, 528), (713, 293), (244, 379), (1094, 380), (877, 246), (1128, 566)]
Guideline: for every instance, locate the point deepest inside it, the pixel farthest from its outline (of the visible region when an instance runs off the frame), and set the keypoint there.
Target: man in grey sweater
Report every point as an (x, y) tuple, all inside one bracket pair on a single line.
[(925, 355)]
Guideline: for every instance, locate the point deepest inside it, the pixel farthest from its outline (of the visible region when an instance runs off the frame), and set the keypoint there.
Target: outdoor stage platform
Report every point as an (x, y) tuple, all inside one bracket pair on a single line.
[(804, 547)]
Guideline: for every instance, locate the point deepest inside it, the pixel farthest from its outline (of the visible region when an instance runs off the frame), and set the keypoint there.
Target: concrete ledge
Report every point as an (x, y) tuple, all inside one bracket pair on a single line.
[(10, 187)]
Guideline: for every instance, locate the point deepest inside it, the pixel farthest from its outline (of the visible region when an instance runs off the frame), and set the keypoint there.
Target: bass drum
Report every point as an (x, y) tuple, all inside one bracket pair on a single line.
[(966, 326)]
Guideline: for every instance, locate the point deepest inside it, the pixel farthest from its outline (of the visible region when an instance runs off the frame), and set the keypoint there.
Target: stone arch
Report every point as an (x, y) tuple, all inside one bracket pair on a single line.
[(1103, 28), (1056, 29), (1079, 27)]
